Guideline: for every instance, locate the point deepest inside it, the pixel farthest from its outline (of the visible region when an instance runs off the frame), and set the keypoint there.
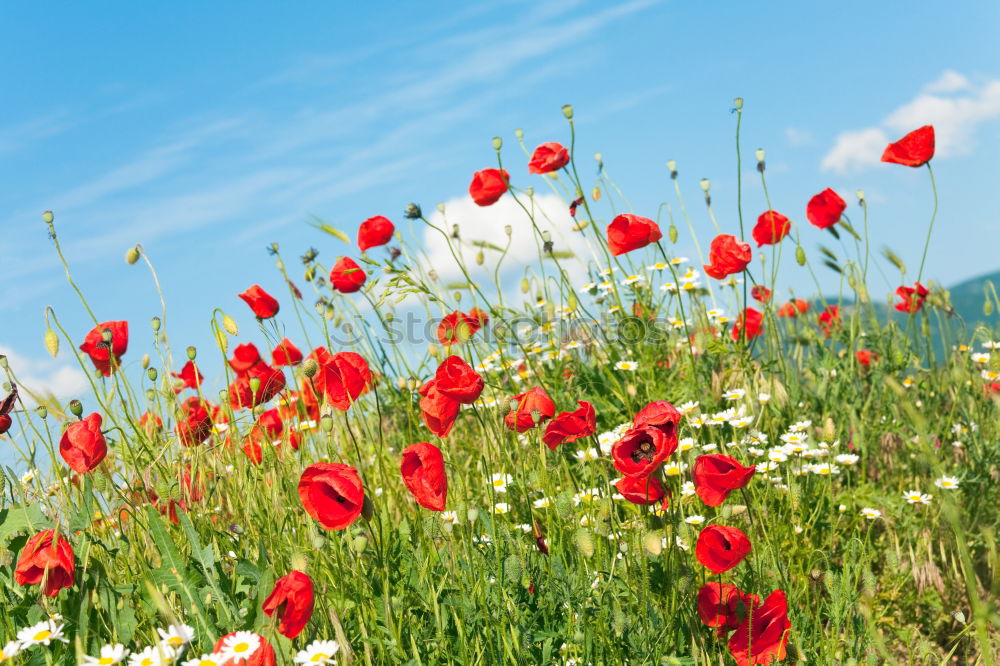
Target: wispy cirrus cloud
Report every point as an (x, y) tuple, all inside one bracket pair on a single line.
[(953, 104)]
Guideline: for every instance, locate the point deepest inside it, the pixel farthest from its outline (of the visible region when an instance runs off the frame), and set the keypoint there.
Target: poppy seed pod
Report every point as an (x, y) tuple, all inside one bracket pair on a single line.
[(155, 324), (192, 352), (151, 373), (412, 212), (568, 111), (48, 217), (497, 143), (42, 412), (738, 103), (76, 408), (519, 133)]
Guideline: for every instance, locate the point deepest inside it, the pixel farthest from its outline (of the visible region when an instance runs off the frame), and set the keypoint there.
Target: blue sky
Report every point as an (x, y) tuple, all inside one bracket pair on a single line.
[(205, 131)]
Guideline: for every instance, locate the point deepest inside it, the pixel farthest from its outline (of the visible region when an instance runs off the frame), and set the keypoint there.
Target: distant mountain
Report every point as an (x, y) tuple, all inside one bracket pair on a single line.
[(968, 297)]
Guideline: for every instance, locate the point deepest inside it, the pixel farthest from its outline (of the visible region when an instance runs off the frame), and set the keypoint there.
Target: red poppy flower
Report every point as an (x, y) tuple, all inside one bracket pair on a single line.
[(5, 423), (271, 423), (726, 256), (548, 157), (760, 293), (263, 304), (43, 558), (641, 450), (332, 494), (629, 232), (534, 401), (252, 449), (245, 356), (346, 276), (262, 656), (829, 319), (641, 490), (439, 411), (762, 638), (272, 381), (721, 548), (375, 231), (912, 298), (292, 598), (725, 606), (457, 380), (458, 327), (865, 357), (717, 475), (105, 345), (913, 150), (771, 227), (151, 423), (754, 324), (190, 376), (824, 209), (488, 186), (196, 424), (286, 353), (342, 377), (793, 308), (423, 473), (571, 426), (83, 446), (661, 415)]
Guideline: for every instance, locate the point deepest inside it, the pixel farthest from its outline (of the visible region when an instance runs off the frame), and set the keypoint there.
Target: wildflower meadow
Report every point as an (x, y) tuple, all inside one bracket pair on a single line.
[(622, 455)]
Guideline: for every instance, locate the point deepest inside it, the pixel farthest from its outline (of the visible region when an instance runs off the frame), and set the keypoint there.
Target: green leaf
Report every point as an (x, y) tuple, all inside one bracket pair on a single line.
[(28, 518)]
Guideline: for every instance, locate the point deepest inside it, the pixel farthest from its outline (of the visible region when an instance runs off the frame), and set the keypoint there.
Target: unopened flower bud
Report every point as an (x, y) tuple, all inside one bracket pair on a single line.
[(433, 350), (412, 212), (155, 324), (568, 111), (51, 342), (800, 256), (525, 285), (192, 352), (223, 396), (145, 361), (401, 383), (497, 143), (150, 395), (151, 373), (440, 207), (536, 416), (530, 191), (222, 340), (759, 154), (480, 258), (672, 233), (309, 367), (596, 194), (76, 408), (229, 324), (132, 255), (519, 133)]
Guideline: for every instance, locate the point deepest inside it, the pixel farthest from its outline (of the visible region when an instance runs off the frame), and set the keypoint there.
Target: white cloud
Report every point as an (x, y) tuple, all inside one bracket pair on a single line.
[(44, 376), (797, 138), (479, 223), (954, 106)]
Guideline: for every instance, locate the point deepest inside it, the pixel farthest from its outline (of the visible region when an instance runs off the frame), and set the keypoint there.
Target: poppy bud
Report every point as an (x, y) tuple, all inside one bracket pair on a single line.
[(480, 258), (229, 324), (132, 255), (145, 361), (497, 143), (224, 396), (42, 412), (508, 230), (360, 543), (151, 373), (571, 302), (155, 324), (596, 194), (76, 408), (800, 256), (48, 217), (326, 423), (672, 233), (988, 307), (310, 367), (738, 103), (401, 383), (568, 111), (222, 340), (51, 342), (412, 212), (254, 385), (192, 352), (150, 395), (433, 350), (653, 544), (525, 286)]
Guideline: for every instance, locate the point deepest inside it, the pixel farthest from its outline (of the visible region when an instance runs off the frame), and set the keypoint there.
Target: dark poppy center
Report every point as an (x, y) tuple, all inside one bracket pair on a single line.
[(644, 452)]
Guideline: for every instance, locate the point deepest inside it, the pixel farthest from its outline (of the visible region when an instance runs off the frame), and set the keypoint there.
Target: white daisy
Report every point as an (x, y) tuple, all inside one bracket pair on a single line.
[(586, 455), (205, 660), (450, 517), (9, 651), (42, 633), (688, 407), (176, 635), (318, 652), (947, 482), (871, 514), (694, 520), (687, 489), (630, 366), (764, 397), (110, 654), (916, 497), (500, 481), (586, 496), (846, 459), (542, 503), (240, 645), (501, 508), (153, 655)]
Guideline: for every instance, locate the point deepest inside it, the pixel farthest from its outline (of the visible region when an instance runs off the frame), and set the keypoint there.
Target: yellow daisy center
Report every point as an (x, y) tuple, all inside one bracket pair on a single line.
[(106, 660), (146, 662), (175, 640), (41, 635), (241, 647), (319, 656)]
